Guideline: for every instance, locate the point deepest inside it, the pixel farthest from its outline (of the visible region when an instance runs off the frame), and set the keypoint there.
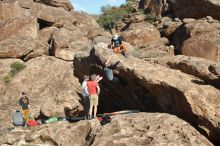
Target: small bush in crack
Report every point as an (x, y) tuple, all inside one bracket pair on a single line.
[(16, 67), (7, 78)]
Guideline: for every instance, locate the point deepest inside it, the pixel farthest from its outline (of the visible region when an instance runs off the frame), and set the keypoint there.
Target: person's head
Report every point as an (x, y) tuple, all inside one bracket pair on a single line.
[(93, 77), (115, 37), (107, 63), (85, 77), (23, 93)]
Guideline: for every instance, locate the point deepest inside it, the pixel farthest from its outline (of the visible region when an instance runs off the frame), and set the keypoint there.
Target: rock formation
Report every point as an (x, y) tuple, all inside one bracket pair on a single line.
[(198, 67), (50, 84), (195, 8), (134, 129), (151, 79), (198, 38), (174, 91)]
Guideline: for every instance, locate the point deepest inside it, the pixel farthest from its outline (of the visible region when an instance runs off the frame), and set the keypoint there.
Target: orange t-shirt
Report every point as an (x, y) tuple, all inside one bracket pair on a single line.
[(92, 87)]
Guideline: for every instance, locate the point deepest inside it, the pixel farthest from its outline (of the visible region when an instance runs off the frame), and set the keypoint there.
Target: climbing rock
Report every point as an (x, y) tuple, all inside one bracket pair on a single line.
[(140, 34), (22, 27), (148, 129), (19, 37), (61, 133), (198, 38), (49, 16), (69, 42), (9, 10), (85, 22), (134, 18), (51, 86), (197, 67), (146, 84), (195, 8), (154, 49), (57, 3)]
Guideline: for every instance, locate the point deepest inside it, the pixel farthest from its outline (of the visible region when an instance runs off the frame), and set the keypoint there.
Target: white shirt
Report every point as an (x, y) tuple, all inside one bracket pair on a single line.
[(84, 86)]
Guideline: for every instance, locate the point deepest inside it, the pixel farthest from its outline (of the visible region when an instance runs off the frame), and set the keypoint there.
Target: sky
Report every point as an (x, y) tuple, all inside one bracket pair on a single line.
[(94, 6)]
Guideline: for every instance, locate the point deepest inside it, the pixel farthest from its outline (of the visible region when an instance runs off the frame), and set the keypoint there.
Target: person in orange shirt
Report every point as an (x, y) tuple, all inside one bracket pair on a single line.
[(93, 91)]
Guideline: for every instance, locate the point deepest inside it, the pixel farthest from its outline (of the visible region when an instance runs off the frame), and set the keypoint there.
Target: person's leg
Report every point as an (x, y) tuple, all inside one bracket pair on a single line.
[(90, 110), (26, 115), (96, 97), (116, 49), (95, 110), (123, 49)]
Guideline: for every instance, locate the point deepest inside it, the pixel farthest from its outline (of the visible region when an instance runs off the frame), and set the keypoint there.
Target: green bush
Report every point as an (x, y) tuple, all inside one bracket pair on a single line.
[(18, 66), (110, 17), (150, 18), (7, 78), (15, 68)]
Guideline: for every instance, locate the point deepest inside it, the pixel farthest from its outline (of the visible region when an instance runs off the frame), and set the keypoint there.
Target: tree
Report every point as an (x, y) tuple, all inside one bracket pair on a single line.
[(105, 8), (155, 7)]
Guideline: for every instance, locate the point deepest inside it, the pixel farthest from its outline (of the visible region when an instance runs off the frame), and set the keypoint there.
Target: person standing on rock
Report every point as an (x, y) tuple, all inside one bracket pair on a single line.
[(118, 45), (93, 91), (85, 94), (24, 103), (52, 46)]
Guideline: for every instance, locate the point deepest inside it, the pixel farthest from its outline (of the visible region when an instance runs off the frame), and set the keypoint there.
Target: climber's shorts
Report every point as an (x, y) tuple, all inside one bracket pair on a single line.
[(119, 48), (94, 100)]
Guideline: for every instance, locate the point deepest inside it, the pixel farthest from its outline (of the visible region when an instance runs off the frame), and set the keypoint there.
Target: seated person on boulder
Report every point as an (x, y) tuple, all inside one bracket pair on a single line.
[(118, 45)]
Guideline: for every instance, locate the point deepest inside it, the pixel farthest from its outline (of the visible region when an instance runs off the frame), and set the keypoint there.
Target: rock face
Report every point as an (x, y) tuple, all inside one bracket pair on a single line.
[(198, 38), (58, 3), (51, 86), (148, 129), (195, 8), (27, 26), (140, 34), (61, 133), (204, 69), (148, 85), (134, 129)]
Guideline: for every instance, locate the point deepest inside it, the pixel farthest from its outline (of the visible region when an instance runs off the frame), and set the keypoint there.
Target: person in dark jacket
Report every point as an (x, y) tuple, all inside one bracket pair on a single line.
[(118, 45), (24, 103)]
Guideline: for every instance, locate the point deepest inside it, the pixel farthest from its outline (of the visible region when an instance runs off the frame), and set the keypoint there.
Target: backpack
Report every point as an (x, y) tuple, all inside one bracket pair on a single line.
[(105, 119), (33, 123), (18, 119)]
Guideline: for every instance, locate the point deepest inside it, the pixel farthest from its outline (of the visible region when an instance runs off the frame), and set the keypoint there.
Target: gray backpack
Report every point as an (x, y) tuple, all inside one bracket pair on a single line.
[(18, 119)]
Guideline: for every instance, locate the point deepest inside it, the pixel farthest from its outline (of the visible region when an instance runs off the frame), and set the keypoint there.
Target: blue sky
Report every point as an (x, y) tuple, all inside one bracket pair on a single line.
[(93, 6)]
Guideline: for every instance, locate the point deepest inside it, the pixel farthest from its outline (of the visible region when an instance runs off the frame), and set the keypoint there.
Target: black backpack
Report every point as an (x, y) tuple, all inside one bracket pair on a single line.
[(105, 119)]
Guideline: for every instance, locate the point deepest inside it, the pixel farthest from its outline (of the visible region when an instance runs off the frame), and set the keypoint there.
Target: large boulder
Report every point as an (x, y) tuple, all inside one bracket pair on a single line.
[(151, 87), (51, 86), (61, 133), (195, 8), (58, 3), (140, 34), (198, 38), (149, 129), (54, 16), (10, 10), (204, 69), (131, 129)]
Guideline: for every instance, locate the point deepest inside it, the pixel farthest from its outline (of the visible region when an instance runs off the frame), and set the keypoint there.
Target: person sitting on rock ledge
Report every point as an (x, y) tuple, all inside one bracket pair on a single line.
[(118, 45)]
